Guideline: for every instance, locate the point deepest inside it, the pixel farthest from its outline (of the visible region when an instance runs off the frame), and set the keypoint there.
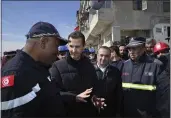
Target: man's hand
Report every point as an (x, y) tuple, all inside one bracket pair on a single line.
[(81, 97), (98, 102)]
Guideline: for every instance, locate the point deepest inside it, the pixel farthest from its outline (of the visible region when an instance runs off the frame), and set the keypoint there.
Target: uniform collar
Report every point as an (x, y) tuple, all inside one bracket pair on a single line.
[(31, 61)]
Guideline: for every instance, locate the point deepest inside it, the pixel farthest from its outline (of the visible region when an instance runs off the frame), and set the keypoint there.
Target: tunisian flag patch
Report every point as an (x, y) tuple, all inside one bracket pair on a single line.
[(7, 81)]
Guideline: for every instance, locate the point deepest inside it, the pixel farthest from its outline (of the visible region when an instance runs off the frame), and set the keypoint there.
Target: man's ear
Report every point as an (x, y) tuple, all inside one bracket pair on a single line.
[(43, 42)]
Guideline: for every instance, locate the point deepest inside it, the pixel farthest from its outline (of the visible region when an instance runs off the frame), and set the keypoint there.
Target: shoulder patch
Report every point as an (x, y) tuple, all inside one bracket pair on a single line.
[(7, 81)]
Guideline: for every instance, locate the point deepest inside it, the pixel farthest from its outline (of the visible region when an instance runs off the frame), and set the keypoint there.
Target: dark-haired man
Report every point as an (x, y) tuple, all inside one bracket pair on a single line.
[(150, 43), (123, 52), (116, 59), (76, 78), (109, 84)]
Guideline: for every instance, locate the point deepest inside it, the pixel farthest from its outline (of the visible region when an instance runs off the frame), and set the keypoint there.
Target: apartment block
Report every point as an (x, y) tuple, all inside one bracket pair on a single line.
[(117, 19)]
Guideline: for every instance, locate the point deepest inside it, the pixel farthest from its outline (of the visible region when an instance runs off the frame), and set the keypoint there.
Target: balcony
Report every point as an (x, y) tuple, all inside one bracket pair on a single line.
[(98, 21)]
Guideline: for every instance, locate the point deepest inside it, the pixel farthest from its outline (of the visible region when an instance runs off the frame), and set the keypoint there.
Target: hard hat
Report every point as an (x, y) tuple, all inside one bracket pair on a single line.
[(62, 48), (160, 46), (92, 50)]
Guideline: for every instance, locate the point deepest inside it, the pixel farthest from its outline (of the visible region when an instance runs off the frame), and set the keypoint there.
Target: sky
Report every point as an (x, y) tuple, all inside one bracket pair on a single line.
[(19, 16)]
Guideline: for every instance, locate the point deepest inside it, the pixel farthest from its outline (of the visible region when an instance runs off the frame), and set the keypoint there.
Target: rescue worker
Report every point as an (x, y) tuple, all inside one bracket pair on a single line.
[(109, 84), (77, 79), (116, 59), (161, 50), (27, 89), (143, 90), (63, 50), (92, 55), (150, 43)]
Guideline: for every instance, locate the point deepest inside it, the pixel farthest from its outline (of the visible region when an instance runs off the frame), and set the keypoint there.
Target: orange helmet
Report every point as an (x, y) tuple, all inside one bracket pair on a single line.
[(160, 46)]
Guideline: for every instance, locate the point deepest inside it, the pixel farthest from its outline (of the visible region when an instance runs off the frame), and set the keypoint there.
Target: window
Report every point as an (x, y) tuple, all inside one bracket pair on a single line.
[(147, 33), (166, 6), (158, 30), (168, 31), (137, 4), (108, 4), (144, 4)]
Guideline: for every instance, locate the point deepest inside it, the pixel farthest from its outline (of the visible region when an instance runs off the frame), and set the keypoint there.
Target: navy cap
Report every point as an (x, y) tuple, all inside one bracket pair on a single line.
[(134, 42), (63, 48), (45, 29)]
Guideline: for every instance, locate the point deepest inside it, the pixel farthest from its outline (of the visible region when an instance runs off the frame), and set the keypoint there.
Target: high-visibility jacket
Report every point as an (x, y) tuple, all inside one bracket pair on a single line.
[(142, 87)]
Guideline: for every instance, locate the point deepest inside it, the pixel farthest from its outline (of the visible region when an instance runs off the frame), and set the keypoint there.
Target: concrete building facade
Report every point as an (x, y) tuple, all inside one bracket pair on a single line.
[(117, 19)]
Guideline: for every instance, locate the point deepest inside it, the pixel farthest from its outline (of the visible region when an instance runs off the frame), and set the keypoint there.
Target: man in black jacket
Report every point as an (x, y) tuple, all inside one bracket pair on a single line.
[(116, 59), (145, 93), (76, 78), (109, 84), (26, 87)]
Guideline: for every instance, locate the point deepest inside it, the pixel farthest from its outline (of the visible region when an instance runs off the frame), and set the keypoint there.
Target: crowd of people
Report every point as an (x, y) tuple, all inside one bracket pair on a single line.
[(119, 53), (53, 77)]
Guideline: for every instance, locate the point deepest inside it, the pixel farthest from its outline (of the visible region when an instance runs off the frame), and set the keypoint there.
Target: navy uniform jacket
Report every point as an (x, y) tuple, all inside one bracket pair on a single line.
[(27, 90), (143, 87)]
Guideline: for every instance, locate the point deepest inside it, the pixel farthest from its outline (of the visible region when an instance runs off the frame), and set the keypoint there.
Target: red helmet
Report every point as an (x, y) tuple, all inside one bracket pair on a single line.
[(160, 46)]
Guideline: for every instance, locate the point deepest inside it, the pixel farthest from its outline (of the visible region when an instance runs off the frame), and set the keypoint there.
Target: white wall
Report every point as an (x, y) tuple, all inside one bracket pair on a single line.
[(106, 33), (127, 18)]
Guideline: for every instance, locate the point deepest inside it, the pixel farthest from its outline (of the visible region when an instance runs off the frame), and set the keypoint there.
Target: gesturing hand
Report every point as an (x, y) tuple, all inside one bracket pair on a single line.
[(81, 97)]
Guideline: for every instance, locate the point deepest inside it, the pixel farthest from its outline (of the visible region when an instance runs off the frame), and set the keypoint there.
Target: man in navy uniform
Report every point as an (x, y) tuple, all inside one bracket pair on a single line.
[(27, 89), (146, 90)]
